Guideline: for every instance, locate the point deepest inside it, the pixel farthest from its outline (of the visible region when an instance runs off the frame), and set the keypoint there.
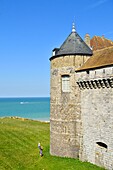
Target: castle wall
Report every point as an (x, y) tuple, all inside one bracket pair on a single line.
[(65, 118), (97, 116)]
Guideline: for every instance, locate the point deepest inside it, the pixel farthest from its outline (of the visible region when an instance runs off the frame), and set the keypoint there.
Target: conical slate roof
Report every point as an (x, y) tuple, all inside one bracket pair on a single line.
[(73, 45)]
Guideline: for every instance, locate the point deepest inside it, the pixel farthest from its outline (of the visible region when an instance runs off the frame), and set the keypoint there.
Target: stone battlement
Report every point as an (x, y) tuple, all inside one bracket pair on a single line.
[(101, 78), (96, 83)]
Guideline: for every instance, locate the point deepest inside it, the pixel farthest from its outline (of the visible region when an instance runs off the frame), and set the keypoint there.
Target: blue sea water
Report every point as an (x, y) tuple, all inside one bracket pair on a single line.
[(31, 108)]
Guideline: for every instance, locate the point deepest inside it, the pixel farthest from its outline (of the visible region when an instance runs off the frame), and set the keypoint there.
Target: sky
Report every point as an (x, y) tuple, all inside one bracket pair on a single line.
[(31, 29)]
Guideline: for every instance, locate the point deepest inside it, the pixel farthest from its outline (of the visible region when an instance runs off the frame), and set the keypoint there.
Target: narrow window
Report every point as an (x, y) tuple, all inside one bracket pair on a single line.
[(87, 71), (104, 71), (102, 144), (66, 83)]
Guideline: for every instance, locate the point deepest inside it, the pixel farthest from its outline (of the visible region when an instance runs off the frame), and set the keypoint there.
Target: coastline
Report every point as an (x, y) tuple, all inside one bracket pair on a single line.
[(37, 109), (23, 119)]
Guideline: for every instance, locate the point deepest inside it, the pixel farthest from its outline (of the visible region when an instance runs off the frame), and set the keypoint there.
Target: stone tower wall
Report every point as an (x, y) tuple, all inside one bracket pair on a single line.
[(65, 117), (97, 116)]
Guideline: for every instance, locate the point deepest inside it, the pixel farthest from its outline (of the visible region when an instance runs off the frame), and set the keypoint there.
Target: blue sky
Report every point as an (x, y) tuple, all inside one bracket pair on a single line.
[(30, 29)]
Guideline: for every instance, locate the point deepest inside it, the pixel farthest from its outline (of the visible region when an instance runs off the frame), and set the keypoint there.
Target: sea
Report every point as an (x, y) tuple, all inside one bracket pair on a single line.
[(35, 108)]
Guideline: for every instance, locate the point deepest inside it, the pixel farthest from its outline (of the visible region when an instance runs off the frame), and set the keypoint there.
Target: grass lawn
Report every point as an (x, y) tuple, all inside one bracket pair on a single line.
[(18, 148)]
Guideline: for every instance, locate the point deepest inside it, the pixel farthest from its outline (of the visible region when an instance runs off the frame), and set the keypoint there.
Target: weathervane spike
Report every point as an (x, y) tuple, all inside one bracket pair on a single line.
[(73, 27)]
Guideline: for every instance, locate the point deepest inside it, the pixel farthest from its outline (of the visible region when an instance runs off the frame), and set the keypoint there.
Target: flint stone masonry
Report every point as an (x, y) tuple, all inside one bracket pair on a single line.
[(72, 60), (65, 118), (97, 119), (81, 118), (84, 116)]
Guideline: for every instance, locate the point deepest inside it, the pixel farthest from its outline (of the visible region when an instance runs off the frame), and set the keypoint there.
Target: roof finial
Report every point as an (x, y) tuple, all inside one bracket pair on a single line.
[(73, 27)]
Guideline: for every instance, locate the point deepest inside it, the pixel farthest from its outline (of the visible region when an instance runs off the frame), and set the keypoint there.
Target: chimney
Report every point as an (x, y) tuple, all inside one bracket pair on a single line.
[(87, 39)]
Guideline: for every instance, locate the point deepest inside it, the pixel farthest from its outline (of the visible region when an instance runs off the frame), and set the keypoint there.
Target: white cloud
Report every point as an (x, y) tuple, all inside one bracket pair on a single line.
[(97, 3)]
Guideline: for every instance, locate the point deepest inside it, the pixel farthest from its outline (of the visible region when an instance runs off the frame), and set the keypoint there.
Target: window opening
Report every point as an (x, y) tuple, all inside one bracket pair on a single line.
[(103, 71), (87, 71), (102, 144), (66, 83)]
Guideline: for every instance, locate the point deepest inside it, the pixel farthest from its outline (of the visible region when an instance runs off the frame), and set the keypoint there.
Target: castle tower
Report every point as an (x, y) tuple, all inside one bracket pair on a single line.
[(65, 114)]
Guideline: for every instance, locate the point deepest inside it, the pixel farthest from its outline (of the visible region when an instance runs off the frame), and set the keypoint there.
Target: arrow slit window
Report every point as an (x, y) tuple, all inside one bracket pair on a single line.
[(65, 83)]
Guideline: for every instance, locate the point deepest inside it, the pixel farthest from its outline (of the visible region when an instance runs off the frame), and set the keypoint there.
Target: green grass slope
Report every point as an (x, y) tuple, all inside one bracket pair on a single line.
[(18, 148)]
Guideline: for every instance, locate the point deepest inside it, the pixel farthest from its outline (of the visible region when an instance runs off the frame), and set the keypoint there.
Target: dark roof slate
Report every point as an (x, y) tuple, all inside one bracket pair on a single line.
[(73, 45)]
